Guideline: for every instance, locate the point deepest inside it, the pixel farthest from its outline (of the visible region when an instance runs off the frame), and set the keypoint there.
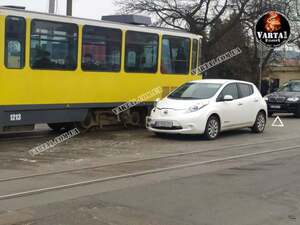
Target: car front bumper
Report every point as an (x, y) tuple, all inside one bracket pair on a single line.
[(190, 123), (283, 107)]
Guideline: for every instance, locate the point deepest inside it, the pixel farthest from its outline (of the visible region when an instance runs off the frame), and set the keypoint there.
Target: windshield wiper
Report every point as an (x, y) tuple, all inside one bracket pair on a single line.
[(186, 98), (173, 97)]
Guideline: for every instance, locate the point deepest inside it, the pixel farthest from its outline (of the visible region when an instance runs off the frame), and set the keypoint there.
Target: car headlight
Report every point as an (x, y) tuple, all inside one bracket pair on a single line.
[(156, 102), (293, 99), (196, 108), (266, 98)]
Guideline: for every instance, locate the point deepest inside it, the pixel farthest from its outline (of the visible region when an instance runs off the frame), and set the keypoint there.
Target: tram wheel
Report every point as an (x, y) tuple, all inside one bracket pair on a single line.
[(56, 126), (87, 124)]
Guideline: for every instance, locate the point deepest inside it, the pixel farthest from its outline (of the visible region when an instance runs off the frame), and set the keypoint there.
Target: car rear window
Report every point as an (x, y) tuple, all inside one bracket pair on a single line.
[(245, 90)]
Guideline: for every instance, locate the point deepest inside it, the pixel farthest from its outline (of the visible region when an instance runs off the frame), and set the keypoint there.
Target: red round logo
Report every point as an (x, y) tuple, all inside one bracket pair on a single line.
[(273, 29)]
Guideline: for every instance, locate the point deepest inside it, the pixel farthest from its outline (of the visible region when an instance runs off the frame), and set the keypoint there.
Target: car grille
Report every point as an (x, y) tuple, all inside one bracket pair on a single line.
[(279, 99), (168, 128)]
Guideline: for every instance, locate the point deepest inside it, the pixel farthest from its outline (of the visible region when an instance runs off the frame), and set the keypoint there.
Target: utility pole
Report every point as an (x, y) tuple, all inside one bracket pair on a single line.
[(261, 67), (69, 7), (263, 52), (51, 6)]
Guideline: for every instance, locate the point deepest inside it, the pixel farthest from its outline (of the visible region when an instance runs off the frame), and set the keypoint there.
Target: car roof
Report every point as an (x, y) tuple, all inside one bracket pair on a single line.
[(220, 81)]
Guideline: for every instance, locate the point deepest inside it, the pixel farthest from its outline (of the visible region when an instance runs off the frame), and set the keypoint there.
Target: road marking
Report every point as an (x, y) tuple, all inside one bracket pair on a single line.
[(277, 122), (146, 172)]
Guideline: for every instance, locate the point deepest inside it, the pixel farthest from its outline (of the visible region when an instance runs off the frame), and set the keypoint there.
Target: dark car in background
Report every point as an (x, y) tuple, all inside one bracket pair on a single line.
[(285, 100)]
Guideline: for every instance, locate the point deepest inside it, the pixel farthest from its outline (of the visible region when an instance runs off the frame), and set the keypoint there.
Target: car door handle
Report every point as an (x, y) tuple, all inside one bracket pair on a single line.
[(240, 104), (256, 100)]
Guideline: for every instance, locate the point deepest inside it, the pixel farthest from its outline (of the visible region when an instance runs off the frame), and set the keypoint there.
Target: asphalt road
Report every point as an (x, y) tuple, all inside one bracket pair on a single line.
[(240, 179)]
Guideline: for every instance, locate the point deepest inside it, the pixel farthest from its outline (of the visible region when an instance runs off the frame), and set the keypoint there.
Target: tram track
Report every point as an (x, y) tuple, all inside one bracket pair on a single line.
[(44, 133), (149, 166), (29, 135), (145, 160)]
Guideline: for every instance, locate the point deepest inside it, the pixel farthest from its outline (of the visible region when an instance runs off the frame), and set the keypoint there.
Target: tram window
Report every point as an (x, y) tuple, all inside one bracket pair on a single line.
[(53, 45), (194, 56), (175, 55), (15, 33), (101, 49), (141, 52)]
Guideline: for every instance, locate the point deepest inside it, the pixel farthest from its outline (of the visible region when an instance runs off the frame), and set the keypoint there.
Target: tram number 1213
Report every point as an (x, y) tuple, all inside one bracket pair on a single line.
[(15, 117)]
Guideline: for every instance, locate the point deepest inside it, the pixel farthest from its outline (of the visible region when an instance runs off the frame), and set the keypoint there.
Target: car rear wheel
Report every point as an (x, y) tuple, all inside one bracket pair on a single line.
[(212, 129), (260, 123)]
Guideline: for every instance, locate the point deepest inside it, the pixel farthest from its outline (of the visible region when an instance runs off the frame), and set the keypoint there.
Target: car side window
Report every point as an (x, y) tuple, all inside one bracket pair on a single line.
[(230, 89), (245, 90)]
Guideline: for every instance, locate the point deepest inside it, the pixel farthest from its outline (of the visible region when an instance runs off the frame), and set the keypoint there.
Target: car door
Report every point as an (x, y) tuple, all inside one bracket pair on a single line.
[(248, 103), (229, 111)]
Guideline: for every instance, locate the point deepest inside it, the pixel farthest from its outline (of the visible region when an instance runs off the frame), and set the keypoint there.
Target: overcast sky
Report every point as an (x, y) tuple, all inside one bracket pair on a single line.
[(81, 8)]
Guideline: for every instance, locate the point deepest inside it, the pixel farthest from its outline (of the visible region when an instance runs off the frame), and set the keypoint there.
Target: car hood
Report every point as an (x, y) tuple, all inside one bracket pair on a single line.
[(178, 104), (284, 94)]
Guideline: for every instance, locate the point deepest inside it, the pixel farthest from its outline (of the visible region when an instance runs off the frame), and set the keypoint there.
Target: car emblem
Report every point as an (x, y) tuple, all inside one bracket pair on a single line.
[(166, 112)]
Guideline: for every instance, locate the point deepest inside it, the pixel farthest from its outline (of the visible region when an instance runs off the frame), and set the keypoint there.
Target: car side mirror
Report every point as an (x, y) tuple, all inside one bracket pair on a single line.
[(228, 98)]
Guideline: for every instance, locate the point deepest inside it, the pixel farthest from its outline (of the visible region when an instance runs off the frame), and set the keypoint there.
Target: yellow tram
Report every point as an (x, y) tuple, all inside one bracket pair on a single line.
[(63, 70)]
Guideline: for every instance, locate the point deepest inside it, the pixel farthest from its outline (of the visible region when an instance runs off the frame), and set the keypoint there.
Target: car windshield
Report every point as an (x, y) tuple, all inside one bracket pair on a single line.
[(291, 87), (195, 91)]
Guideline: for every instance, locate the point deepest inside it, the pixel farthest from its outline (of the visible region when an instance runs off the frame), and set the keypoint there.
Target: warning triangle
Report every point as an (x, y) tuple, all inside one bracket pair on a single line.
[(277, 122)]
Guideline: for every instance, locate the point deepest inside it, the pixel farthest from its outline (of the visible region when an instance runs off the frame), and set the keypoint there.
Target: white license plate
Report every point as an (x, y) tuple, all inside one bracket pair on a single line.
[(275, 106), (164, 124)]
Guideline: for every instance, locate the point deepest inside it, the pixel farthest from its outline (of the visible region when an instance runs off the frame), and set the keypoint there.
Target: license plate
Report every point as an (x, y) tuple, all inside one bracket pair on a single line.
[(164, 124), (275, 106)]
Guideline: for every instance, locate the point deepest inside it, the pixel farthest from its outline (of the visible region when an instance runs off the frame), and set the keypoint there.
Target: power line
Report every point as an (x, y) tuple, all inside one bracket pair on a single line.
[(56, 6), (69, 7), (52, 6)]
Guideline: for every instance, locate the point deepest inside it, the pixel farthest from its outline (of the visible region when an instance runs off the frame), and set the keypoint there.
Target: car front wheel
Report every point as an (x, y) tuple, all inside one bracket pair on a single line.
[(212, 129), (260, 123)]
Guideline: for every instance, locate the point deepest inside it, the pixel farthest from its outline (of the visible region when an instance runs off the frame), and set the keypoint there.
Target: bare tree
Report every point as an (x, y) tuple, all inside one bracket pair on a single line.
[(202, 16), (195, 16)]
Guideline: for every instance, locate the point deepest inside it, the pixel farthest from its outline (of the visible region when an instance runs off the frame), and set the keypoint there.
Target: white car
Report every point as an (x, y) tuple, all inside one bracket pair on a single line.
[(209, 107)]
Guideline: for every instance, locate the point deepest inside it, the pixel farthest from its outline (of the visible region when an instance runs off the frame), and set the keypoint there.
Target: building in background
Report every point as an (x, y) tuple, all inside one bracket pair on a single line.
[(284, 68)]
